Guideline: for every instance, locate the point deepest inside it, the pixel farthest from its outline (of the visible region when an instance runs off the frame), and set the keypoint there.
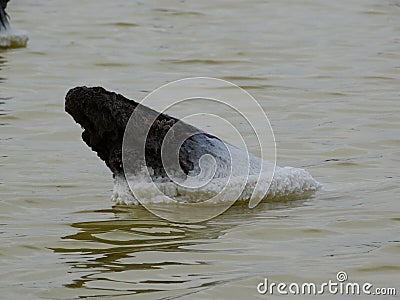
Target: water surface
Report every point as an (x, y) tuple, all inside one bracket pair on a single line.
[(328, 76)]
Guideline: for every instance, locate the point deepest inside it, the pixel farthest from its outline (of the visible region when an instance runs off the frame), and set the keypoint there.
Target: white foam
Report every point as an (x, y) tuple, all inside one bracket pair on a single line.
[(11, 38), (287, 182)]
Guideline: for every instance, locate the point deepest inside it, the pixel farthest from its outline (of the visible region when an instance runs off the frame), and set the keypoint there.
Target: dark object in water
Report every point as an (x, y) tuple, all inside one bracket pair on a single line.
[(107, 119), (4, 25), (104, 116), (10, 38)]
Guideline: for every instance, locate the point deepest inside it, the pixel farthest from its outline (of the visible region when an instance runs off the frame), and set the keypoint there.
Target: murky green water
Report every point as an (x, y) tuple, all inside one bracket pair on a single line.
[(327, 74)]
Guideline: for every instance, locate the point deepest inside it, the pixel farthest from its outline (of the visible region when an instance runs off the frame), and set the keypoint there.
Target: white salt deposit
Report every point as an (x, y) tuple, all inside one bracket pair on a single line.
[(286, 182), (11, 38)]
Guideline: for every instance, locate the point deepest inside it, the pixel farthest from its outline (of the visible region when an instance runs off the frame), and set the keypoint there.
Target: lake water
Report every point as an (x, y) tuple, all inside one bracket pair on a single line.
[(326, 73)]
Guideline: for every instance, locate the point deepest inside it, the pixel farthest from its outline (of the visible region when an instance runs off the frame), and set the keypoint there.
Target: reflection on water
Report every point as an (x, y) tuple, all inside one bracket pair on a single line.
[(2, 61), (136, 252), (3, 114)]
